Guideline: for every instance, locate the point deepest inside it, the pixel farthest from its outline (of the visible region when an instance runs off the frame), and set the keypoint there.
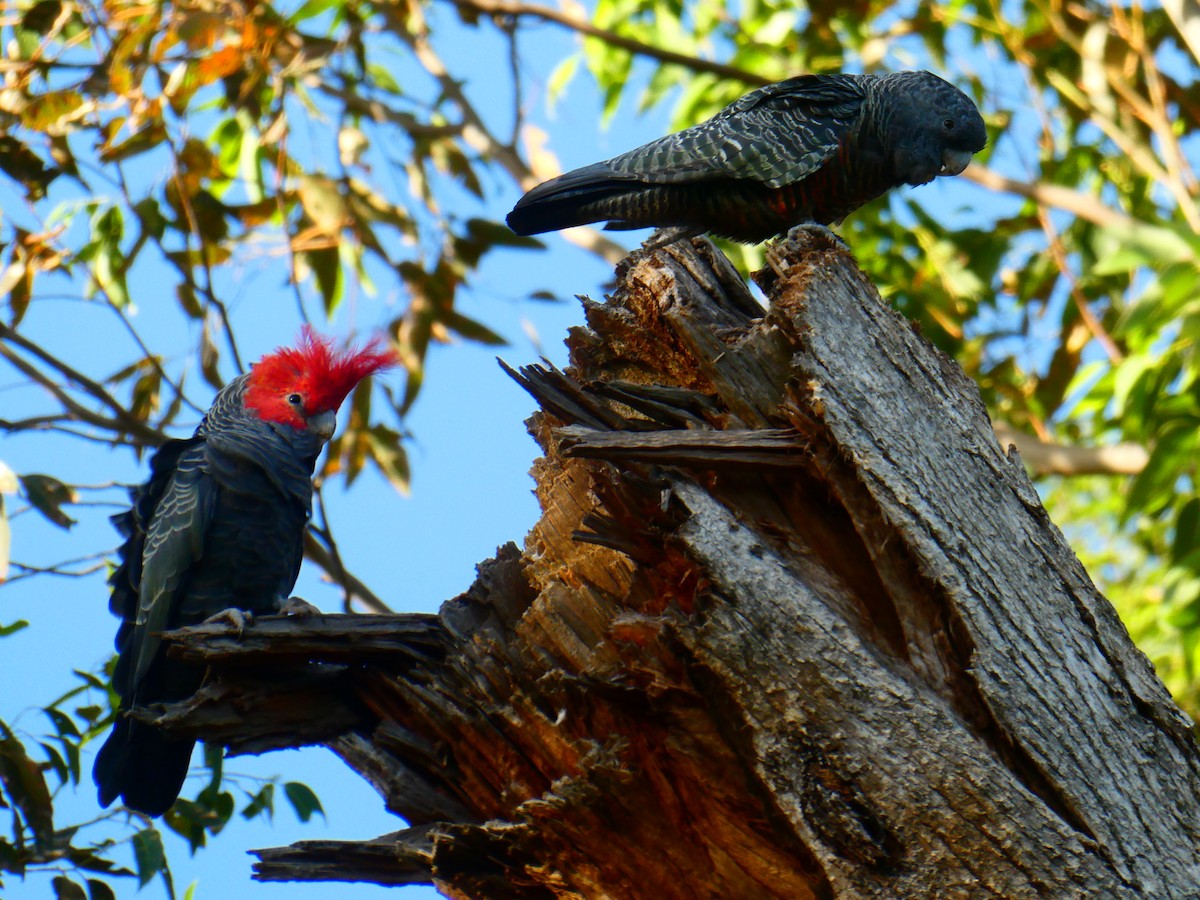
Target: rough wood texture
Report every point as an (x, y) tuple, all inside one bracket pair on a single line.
[(791, 625)]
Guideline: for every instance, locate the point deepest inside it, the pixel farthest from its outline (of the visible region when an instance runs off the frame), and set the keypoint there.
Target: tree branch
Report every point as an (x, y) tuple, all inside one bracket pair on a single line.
[(612, 38), (122, 421), (1083, 205), (1047, 458), (478, 136), (353, 588)]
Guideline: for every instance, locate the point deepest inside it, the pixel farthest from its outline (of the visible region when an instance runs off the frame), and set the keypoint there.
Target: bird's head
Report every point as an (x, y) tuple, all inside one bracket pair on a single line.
[(935, 127), (303, 386)]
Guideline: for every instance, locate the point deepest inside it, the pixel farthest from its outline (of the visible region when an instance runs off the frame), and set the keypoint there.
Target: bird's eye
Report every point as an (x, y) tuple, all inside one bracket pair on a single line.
[(295, 399), (948, 124)]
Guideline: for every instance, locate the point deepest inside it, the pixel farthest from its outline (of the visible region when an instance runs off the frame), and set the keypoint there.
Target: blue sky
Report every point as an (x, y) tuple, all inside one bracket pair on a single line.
[(471, 490)]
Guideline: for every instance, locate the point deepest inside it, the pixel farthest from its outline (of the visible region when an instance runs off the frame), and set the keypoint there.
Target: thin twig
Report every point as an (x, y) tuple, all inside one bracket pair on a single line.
[(1059, 253), (123, 419), (584, 27), (321, 548), (1055, 195), (477, 135)]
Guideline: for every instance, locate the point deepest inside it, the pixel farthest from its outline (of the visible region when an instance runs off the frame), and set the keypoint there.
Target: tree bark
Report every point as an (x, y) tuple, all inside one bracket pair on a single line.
[(792, 624)]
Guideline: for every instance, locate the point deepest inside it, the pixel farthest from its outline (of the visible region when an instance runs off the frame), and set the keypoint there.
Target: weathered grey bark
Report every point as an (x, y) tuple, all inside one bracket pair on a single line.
[(791, 625)]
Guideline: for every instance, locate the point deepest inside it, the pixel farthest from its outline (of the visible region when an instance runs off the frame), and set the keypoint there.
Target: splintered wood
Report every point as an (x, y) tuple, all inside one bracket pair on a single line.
[(791, 625)]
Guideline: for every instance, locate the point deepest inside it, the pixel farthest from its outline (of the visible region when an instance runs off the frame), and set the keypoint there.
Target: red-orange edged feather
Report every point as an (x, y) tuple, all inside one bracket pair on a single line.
[(322, 375)]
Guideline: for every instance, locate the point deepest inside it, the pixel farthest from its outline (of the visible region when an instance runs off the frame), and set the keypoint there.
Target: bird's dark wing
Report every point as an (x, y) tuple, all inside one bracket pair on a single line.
[(174, 540), (775, 135)]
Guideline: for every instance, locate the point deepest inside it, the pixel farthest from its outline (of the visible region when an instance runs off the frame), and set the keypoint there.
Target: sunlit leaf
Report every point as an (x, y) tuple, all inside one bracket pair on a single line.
[(390, 456), (51, 109), (325, 264), (210, 357), (146, 139), (323, 201), (9, 483), (310, 9)]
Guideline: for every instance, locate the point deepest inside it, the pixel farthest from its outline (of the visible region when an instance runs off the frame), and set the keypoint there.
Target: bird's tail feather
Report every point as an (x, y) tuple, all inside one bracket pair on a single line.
[(576, 198), (143, 767)]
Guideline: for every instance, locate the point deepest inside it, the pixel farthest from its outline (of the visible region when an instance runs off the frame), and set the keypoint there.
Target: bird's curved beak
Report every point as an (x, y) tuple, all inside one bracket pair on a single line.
[(954, 161), (323, 424)]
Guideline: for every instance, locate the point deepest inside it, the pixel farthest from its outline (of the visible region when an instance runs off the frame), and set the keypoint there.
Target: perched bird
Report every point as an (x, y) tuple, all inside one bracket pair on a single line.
[(219, 525), (811, 149)]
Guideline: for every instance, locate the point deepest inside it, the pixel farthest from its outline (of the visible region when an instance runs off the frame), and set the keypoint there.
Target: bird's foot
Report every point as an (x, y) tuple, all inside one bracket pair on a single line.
[(812, 229), (664, 236), (298, 606), (238, 618)]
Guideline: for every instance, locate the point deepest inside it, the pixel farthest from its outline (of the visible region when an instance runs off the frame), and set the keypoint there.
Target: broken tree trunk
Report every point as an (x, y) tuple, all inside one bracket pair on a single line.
[(792, 625)]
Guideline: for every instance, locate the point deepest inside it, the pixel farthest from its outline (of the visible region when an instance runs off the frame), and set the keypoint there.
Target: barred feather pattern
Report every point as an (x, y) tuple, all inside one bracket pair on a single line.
[(219, 524), (810, 149)]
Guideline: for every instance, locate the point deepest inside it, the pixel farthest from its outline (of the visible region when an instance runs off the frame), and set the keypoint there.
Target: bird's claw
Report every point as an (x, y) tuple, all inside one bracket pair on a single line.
[(298, 606), (814, 230), (663, 237), (238, 618)]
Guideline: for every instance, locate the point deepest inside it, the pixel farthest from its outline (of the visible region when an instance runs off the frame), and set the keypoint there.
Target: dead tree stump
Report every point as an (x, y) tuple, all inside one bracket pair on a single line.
[(792, 625)]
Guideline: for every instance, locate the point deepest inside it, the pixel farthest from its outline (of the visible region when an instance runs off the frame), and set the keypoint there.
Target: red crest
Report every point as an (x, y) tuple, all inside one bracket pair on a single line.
[(321, 375)]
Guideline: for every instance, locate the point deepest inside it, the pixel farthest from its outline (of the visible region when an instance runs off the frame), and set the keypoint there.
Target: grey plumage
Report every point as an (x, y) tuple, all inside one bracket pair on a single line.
[(810, 149), (219, 525)]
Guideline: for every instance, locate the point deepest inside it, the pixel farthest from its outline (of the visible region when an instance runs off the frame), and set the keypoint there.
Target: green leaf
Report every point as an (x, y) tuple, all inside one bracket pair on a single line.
[(26, 167), (146, 139), (470, 329), (62, 723), (25, 786), (148, 855), (6, 630), (108, 261), (48, 495), (310, 9), (1187, 530), (99, 890), (261, 804), (57, 763), (559, 79), (48, 110), (189, 820), (66, 889), (323, 200), (1125, 247), (90, 679), (388, 453), (150, 217), (303, 800), (1157, 484), (325, 264)]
